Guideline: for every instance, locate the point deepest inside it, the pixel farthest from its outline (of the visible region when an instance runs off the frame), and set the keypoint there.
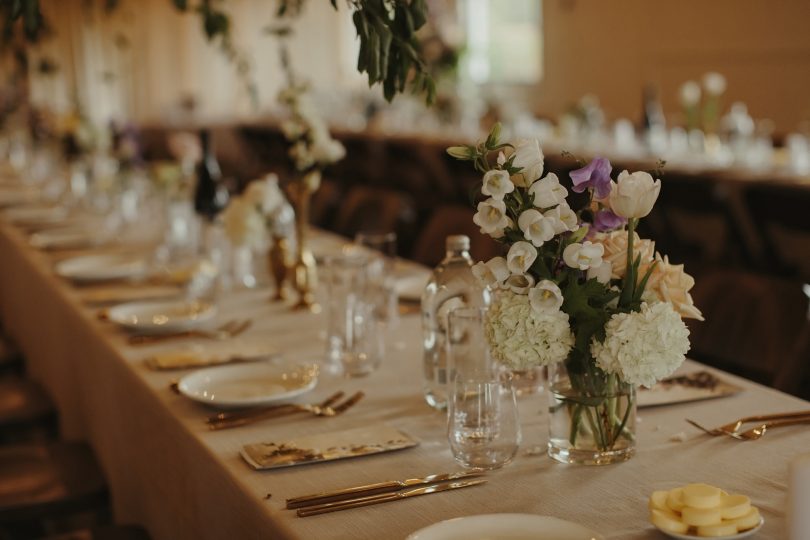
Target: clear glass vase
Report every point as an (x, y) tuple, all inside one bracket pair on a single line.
[(592, 416)]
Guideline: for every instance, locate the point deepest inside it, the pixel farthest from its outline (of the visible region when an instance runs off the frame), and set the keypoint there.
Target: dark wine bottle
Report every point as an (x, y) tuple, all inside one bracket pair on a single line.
[(210, 196), (652, 111)]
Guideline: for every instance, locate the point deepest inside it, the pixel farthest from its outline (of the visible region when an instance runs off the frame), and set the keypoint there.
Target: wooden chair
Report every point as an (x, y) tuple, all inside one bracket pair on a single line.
[(374, 209), (26, 411), (452, 219)]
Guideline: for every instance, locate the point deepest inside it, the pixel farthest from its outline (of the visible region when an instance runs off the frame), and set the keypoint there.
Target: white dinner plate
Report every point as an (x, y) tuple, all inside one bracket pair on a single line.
[(162, 317), (66, 238), (29, 216), (744, 534), (93, 268), (505, 527), (249, 385)]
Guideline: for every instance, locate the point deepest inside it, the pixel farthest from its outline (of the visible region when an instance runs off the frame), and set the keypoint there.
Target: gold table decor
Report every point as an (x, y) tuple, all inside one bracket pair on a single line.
[(303, 271)]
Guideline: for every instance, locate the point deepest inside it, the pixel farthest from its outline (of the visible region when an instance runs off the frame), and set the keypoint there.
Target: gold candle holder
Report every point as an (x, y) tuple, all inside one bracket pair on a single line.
[(304, 271), (278, 264)]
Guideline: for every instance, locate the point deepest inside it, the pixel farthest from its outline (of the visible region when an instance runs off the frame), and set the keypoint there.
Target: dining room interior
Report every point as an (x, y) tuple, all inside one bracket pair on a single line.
[(309, 269)]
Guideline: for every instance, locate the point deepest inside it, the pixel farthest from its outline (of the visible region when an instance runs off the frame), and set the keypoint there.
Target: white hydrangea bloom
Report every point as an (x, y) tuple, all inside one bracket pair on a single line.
[(520, 337), (645, 346)]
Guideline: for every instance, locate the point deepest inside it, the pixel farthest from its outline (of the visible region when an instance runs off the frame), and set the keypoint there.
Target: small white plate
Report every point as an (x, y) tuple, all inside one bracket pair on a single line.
[(162, 317), (248, 385), (505, 527), (738, 536), (93, 268), (67, 238)]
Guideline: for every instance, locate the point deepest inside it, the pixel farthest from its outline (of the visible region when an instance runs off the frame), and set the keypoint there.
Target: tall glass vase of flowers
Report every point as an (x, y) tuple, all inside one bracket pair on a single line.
[(578, 291)]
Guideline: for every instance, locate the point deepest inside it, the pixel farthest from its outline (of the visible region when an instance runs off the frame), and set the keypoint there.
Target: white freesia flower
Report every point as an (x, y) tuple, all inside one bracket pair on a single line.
[(536, 227), (546, 297), (583, 256), (689, 94), (548, 192), (633, 195), (529, 158), (243, 223), (645, 346), (714, 83), (492, 273), (265, 194), (520, 257), (602, 272), (563, 218), (519, 283), (520, 337), (491, 216), (497, 184)]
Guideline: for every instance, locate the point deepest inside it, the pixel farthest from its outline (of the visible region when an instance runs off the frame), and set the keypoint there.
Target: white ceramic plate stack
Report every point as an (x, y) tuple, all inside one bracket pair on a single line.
[(96, 268), (249, 385), (505, 527)]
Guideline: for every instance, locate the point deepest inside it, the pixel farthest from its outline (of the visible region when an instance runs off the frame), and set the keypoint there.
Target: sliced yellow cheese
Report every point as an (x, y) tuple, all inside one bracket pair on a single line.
[(659, 500), (722, 529), (668, 521), (701, 496), (734, 506), (748, 521), (701, 516), (675, 499)]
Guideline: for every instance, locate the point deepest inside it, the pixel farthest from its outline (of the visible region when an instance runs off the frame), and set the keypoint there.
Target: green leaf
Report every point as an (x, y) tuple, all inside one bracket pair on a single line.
[(181, 5), (460, 152)]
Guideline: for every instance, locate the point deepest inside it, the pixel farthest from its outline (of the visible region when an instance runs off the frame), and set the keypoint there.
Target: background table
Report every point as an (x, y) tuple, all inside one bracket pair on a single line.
[(169, 473)]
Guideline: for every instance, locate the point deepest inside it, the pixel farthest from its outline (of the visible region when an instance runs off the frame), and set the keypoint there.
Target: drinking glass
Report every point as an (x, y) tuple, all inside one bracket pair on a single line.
[(381, 272), (482, 422)]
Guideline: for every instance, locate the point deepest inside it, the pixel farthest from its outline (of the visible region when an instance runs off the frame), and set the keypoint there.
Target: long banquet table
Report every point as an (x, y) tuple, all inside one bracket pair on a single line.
[(169, 473)]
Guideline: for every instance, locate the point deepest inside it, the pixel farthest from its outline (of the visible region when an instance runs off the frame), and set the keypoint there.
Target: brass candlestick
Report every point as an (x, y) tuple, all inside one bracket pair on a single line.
[(303, 270), (278, 263)]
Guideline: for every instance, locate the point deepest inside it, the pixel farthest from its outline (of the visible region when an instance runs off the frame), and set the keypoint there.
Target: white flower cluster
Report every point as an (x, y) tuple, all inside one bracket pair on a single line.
[(247, 218), (645, 346), (521, 337), (312, 145)]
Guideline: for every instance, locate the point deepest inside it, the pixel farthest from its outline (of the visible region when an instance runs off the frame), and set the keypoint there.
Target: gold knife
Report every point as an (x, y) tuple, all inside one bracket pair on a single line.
[(375, 489), (385, 497)]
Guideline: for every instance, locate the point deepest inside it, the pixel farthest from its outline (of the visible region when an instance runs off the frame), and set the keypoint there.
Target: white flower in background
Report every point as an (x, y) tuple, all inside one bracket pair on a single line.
[(548, 192), (492, 273), (714, 83), (669, 283), (529, 158), (645, 346), (491, 217), (265, 194), (185, 147), (301, 155), (519, 283), (521, 338), (293, 129), (243, 223), (583, 256), (689, 94), (602, 272), (325, 150), (497, 184), (615, 244), (563, 218), (634, 194), (536, 227), (546, 297), (520, 257)]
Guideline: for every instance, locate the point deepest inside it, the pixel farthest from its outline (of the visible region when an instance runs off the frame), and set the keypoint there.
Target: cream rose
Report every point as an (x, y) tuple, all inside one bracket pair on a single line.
[(615, 244), (669, 283)]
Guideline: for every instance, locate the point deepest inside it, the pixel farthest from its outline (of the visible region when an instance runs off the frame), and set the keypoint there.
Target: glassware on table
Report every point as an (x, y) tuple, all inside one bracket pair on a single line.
[(482, 422), (355, 343), (381, 272)]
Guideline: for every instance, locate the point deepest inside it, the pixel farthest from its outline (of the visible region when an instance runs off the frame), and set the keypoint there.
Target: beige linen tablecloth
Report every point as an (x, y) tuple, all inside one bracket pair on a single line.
[(169, 473)]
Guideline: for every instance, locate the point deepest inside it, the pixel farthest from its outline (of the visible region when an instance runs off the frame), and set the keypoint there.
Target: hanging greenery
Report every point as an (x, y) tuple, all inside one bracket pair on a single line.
[(389, 50)]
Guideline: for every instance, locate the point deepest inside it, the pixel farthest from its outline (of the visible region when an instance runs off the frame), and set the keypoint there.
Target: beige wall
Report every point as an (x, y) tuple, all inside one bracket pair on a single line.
[(612, 47)]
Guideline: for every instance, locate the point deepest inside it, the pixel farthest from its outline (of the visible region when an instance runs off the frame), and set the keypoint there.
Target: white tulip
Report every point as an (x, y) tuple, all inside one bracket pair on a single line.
[(520, 257), (548, 192), (491, 217), (546, 297), (497, 184), (520, 283), (536, 228), (492, 273), (689, 94), (714, 83), (529, 158), (583, 256), (634, 195), (563, 218), (602, 272)]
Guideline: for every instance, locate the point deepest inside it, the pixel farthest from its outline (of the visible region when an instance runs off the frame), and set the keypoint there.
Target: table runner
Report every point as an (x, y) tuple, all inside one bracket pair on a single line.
[(170, 474)]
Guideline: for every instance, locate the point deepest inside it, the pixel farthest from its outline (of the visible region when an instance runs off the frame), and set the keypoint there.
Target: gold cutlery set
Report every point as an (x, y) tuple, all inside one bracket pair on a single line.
[(765, 422), (383, 492), (229, 330)]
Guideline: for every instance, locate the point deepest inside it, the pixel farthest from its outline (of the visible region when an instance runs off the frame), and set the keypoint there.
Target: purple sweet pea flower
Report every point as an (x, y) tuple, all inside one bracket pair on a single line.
[(596, 175), (605, 220)]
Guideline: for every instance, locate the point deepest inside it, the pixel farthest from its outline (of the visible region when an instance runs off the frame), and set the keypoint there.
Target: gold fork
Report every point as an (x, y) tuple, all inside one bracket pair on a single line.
[(229, 330), (219, 422), (732, 427)]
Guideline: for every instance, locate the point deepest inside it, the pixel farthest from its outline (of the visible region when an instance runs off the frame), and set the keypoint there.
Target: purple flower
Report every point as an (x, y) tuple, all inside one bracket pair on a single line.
[(596, 175), (605, 220)]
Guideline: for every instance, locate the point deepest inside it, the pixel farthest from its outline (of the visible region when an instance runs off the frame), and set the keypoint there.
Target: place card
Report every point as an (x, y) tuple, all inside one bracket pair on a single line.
[(364, 441), (695, 386)]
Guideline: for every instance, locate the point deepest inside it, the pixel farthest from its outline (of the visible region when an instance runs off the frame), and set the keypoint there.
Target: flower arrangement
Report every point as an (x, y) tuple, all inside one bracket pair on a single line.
[(690, 95), (250, 217), (578, 288)]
